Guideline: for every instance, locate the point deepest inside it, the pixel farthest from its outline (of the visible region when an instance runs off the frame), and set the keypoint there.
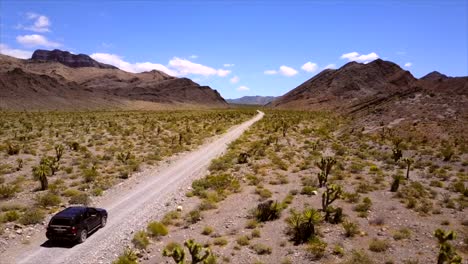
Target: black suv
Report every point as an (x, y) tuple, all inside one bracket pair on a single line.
[(75, 223)]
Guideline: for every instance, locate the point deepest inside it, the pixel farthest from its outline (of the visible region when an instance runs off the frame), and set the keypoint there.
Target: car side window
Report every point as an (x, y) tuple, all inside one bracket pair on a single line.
[(92, 212)]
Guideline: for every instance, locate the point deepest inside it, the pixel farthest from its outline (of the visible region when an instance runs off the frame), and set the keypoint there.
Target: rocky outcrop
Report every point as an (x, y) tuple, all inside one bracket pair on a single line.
[(68, 59)]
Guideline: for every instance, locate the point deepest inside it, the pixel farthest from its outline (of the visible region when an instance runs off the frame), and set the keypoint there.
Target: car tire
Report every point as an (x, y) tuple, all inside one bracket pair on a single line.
[(83, 236), (103, 221)]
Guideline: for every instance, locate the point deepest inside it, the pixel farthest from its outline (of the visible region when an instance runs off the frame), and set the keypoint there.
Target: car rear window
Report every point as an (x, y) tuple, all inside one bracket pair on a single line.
[(61, 221)]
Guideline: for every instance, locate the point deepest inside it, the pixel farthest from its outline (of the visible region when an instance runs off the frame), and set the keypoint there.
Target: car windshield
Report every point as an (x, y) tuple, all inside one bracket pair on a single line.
[(61, 221)]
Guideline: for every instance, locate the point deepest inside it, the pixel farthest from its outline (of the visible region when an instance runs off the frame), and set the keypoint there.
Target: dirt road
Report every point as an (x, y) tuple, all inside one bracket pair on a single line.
[(131, 207)]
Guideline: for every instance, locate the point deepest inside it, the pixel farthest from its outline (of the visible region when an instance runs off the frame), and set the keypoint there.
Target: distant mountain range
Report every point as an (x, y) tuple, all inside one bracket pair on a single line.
[(252, 100), (60, 80)]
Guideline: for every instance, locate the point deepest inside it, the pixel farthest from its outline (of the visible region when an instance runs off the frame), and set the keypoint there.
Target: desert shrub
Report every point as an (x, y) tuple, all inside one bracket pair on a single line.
[(157, 229), (251, 224), (377, 245), (363, 207), (140, 240), (90, 174), (193, 216), (243, 241), (170, 217), (252, 179), (255, 233), (32, 216), (222, 163), (351, 229), (316, 248), (8, 190), (264, 193), (308, 190), (128, 257), (338, 250), (220, 241), (364, 187), (207, 230), (71, 192), (81, 198), (48, 199), (403, 233), (97, 191), (219, 183), (261, 249), (207, 205), (268, 211), (360, 257), (351, 197), (10, 216)]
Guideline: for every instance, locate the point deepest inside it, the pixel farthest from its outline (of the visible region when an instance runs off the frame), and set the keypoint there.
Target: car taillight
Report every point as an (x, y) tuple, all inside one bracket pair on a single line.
[(73, 229)]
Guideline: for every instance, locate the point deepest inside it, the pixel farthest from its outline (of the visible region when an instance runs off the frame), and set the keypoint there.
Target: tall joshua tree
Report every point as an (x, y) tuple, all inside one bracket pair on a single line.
[(40, 174), (325, 165), (408, 162)]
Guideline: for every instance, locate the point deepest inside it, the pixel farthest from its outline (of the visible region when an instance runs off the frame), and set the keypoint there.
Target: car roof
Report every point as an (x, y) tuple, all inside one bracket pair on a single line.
[(71, 211)]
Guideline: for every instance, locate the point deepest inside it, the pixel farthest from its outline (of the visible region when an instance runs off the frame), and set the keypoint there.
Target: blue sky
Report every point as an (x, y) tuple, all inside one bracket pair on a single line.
[(244, 47)]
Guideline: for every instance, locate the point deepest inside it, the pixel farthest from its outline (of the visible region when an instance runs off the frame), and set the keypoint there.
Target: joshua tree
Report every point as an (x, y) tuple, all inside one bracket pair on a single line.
[(58, 152), (325, 165), (302, 225), (19, 163), (176, 252), (52, 163), (40, 173), (447, 253), (123, 157), (332, 193), (243, 158), (397, 153), (396, 183), (199, 253), (408, 162)]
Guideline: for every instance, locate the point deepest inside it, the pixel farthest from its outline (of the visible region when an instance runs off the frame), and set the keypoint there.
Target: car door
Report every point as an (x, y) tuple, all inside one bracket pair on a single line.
[(92, 218)]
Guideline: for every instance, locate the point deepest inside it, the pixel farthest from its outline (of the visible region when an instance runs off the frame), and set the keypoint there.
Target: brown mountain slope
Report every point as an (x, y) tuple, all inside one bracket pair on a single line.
[(39, 84), (349, 88), (381, 93)]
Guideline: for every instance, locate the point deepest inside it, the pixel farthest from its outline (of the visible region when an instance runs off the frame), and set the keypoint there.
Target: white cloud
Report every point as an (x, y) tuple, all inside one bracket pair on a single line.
[(309, 67), (17, 53), (36, 40), (408, 64), (270, 72), (234, 79), (184, 67), (130, 67), (223, 73), (175, 67), (228, 65), (243, 88), (287, 71), (41, 23), (365, 58), (330, 66), (193, 56)]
